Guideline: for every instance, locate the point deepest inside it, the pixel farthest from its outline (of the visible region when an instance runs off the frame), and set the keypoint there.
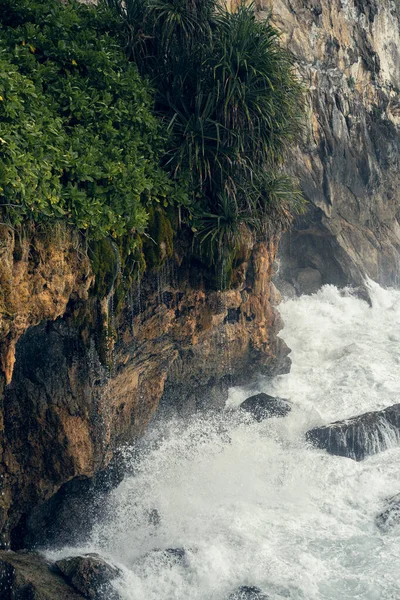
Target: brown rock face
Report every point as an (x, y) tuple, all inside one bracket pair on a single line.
[(64, 415), (349, 55), (39, 273)]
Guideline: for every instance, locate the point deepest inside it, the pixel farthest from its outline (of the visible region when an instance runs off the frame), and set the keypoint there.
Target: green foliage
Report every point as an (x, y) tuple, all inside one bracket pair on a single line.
[(114, 116), (233, 104), (78, 139), (220, 230)]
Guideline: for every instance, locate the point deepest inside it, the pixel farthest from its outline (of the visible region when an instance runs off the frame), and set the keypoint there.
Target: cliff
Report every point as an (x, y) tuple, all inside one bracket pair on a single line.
[(81, 376), (348, 52), (63, 413)]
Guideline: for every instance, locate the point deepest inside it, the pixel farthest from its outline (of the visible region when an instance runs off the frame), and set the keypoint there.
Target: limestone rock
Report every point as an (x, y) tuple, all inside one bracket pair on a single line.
[(64, 414), (308, 281), (39, 274), (27, 576), (262, 406), (90, 575), (348, 54), (389, 517), (359, 436)]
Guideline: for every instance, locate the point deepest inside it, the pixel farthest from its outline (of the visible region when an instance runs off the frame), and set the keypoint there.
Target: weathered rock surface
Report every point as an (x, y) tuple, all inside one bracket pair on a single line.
[(64, 415), (360, 436), (67, 518), (28, 576), (349, 55), (40, 272), (262, 406), (390, 515), (90, 575)]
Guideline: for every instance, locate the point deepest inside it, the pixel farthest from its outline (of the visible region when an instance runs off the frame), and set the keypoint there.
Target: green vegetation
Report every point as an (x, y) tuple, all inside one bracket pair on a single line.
[(78, 139), (228, 94), (116, 118)]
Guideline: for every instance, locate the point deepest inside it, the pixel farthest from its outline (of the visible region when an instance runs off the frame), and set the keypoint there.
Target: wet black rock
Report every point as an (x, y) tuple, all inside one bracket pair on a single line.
[(248, 593), (262, 406), (154, 518), (28, 576), (67, 518), (309, 281), (359, 436), (91, 576), (179, 554), (166, 556), (390, 515)]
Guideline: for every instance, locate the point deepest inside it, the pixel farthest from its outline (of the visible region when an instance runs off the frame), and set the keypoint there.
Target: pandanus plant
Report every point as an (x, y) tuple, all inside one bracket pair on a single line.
[(233, 104)]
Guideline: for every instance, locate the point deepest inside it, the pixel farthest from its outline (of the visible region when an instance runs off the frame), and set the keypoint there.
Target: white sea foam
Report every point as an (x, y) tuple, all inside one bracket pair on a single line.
[(253, 505)]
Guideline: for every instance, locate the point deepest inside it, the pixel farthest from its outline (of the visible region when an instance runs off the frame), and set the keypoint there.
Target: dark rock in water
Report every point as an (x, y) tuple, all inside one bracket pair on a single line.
[(359, 436), (67, 518), (248, 593), (390, 516), (154, 518), (262, 406), (167, 556), (309, 281), (177, 553), (90, 575), (362, 292), (28, 576)]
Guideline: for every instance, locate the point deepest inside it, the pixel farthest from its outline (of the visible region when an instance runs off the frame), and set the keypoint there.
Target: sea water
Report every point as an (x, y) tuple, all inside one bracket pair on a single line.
[(251, 503)]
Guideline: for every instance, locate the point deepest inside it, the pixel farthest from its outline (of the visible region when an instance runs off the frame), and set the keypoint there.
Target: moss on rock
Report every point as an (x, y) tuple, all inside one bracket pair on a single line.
[(158, 245)]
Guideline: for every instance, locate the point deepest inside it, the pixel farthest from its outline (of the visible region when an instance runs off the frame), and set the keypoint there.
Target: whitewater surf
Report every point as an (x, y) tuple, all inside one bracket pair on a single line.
[(221, 501)]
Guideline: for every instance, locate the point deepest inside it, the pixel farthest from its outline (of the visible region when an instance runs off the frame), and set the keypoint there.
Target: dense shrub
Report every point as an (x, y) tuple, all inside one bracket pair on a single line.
[(233, 104), (109, 114), (78, 139)]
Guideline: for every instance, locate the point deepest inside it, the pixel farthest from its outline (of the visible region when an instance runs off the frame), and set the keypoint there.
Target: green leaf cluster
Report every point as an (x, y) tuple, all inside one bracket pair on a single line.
[(79, 140), (115, 117), (233, 105)]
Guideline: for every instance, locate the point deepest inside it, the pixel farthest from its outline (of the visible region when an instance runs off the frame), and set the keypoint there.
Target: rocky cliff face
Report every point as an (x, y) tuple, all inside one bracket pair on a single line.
[(63, 414), (348, 52), (39, 274)]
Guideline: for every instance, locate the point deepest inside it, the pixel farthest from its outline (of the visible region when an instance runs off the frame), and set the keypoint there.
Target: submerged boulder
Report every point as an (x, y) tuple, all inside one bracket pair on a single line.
[(246, 592), (166, 556), (390, 515), (178, 554), (359, 436), (90, 575), (262, 406)]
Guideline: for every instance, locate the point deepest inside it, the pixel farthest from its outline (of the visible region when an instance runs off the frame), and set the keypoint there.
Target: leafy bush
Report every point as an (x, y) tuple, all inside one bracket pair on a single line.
[(111, 113), (78, 139), (233, 105)]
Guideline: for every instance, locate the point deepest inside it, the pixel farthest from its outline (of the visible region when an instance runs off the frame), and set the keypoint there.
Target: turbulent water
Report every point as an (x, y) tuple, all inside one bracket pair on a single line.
[(250, 502)]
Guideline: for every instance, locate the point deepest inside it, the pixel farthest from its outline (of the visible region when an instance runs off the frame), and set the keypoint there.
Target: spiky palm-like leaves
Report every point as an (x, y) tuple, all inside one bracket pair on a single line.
[(233, 105)]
